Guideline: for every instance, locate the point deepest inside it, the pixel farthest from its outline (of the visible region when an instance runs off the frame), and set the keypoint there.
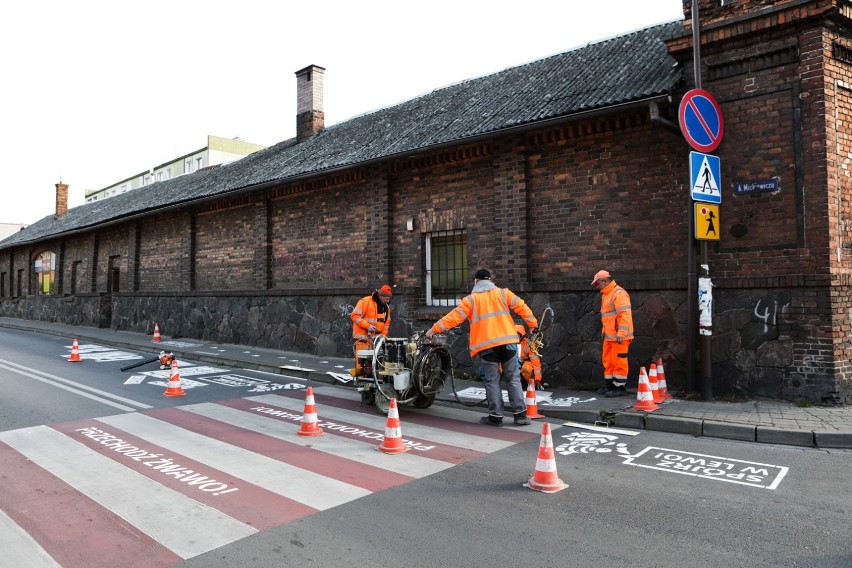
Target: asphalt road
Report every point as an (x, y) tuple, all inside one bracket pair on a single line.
[(456, 499)]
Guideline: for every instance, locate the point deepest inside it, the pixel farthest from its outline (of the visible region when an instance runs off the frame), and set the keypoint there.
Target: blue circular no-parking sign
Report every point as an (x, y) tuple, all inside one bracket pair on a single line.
[(701, 120)]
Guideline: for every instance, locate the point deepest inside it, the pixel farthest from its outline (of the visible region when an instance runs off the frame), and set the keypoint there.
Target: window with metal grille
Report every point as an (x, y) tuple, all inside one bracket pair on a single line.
[(446, 267)]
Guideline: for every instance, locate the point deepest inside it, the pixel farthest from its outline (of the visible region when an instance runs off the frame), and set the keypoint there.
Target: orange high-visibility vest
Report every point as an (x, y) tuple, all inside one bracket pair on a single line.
[(616, 314), (488, 309), (365, 314)]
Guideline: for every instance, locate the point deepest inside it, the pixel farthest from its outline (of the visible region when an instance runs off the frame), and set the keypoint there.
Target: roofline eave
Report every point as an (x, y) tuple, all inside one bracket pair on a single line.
[(520, 128)]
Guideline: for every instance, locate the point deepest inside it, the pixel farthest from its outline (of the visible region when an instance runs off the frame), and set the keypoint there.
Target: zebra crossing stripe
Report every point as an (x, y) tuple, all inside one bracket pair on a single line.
[(170, 518), (161, 485), (317, 491), (294, 451), (449, 422), (239, 499), (360, 426), (356, 449), (19, 548)]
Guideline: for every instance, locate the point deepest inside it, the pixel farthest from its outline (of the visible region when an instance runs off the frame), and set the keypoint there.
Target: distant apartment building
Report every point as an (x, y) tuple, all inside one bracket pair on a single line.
[(218, 151)]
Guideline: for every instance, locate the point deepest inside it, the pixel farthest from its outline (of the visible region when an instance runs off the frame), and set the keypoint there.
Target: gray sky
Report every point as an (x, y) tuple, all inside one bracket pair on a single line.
[(98, 90)]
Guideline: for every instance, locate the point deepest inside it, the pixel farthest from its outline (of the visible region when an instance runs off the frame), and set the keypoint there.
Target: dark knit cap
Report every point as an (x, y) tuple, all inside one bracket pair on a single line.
[(482, 274)]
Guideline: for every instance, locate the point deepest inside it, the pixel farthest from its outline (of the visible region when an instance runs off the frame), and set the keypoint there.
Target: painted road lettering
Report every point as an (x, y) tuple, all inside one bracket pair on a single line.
[(704, 466), (342, 428), (156, 461)]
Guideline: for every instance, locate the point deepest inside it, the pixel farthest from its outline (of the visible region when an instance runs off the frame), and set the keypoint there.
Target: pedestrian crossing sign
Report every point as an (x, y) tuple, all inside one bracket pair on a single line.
[(706, 222), (706, 178)]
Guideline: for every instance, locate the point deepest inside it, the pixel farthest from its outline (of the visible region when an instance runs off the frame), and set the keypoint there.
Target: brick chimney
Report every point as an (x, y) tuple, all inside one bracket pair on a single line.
[(61, 199), (310, 118)]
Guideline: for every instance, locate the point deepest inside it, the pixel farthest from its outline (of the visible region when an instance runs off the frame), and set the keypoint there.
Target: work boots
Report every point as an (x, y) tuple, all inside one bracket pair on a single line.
[(607, 386), (616, 391), (521, 419), (491, 420)]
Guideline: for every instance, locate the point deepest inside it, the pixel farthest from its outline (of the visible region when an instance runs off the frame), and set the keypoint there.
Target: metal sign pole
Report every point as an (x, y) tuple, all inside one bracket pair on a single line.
[(705, 307)]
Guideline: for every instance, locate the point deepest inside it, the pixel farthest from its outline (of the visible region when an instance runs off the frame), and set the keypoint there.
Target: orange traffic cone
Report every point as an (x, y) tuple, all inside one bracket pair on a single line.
[(156, 334), (392, 444), (545, 478), (654, 384), (532, 407), (661, 378), (174, 382), (75, 352), (309, 418), (644, 398)]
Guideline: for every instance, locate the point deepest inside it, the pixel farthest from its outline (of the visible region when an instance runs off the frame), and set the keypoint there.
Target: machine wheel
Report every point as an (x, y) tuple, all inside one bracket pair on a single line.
[(382, 403), (423, 401), (368, 397)]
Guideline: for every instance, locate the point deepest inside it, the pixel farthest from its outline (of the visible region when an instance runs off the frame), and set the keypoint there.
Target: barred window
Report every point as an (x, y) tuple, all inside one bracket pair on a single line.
[(446, 267)]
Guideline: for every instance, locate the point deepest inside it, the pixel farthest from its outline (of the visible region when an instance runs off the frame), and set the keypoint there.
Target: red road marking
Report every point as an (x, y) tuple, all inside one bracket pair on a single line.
[(295, 453), (75, 530), (253, 505), (475, 428)]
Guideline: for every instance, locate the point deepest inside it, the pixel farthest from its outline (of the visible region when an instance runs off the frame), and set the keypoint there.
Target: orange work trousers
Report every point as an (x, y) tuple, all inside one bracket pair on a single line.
[(359, 345), (615, 362)]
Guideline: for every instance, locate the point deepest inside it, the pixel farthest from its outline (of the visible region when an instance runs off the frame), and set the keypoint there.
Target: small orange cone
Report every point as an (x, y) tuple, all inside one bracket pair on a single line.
[(75, 352), (174, 382), (392, 444), (532, 407), (644, 398), (661, 378), (309, 418), (654, 384), (156, 334), (545, 478)]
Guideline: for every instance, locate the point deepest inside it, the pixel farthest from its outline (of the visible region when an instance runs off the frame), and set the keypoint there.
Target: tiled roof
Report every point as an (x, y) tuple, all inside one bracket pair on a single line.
[(623, 69)]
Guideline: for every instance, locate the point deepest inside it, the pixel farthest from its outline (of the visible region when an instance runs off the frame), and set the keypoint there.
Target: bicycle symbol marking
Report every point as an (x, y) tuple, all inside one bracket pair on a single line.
[(591, 442)]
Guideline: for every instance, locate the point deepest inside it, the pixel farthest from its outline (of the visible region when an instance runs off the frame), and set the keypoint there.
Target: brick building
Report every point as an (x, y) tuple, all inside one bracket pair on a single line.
[(543, 173)]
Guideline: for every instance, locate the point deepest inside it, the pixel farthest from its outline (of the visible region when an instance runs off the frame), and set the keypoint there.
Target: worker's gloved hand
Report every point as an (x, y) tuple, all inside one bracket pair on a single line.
[(429, 334), (371, 329), (620, 339), (534, 330)]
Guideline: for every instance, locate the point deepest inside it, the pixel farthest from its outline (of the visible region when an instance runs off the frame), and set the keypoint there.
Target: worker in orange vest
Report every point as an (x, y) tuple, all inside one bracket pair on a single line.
[(528, 359), (616, 333), (371, 316), (493, 337)]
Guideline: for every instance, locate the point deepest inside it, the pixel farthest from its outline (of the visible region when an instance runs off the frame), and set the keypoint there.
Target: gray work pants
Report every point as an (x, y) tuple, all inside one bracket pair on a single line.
[(493, 377)]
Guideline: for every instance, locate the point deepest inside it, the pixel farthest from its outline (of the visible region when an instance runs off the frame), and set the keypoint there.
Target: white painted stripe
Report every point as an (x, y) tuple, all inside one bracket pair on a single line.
[(410, 430), (295, 483), (597, 428), (362, 451), (180, 523), (73, 387), (19, 549)]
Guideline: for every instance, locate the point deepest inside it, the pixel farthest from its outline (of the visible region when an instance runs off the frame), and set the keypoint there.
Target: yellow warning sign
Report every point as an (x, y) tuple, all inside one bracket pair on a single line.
[(706, 222)]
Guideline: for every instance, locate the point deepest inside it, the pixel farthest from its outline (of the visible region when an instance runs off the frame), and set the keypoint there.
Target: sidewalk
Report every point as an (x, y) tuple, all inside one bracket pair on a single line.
[(771, 422)]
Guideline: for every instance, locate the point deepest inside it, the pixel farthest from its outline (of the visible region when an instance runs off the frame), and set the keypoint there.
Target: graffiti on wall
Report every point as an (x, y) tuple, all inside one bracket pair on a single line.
[(341, 327), (769, 312)]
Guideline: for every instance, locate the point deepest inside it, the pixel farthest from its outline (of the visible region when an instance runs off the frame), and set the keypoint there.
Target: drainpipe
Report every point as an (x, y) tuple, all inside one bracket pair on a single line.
[(654, 109)]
